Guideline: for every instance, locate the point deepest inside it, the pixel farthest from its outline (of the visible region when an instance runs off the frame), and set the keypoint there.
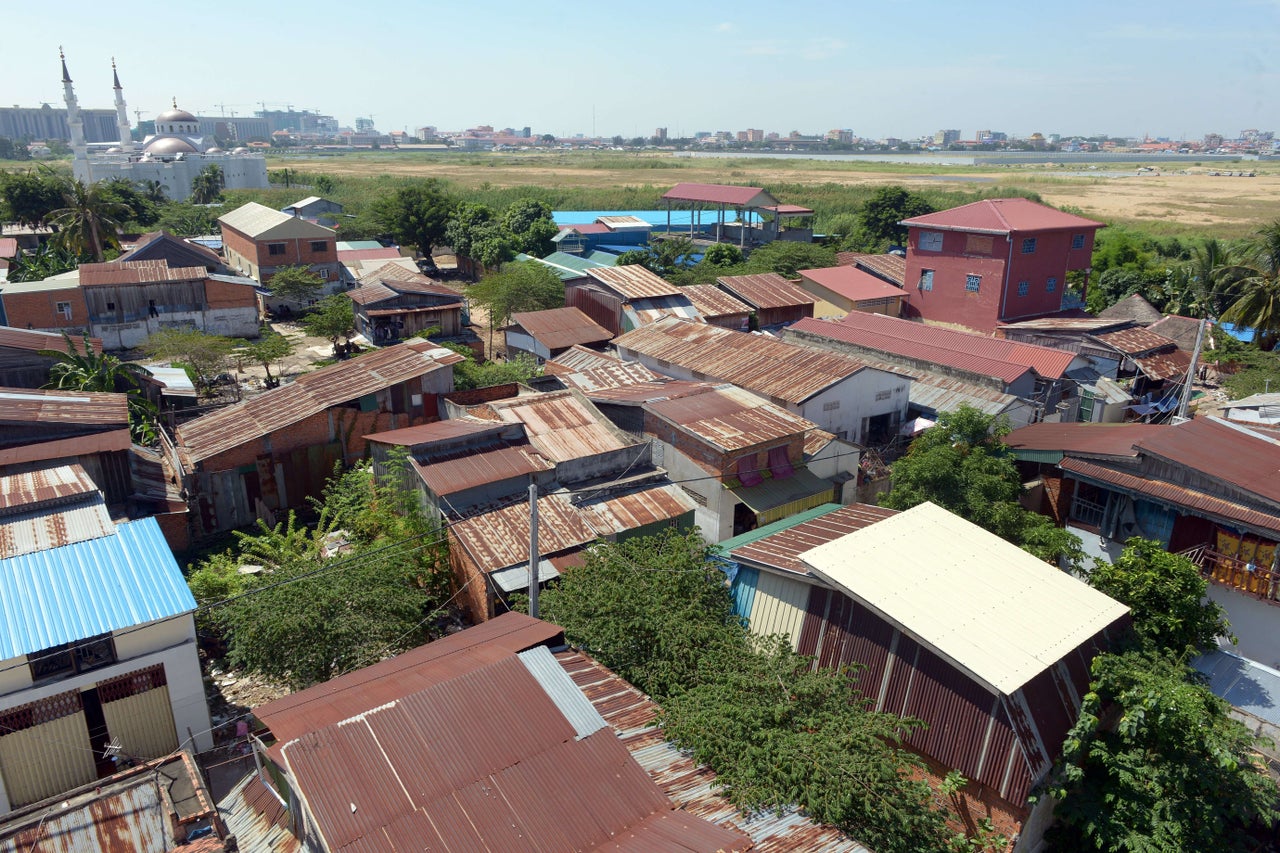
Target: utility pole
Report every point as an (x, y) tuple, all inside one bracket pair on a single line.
[(533, 550), (1191, 373)]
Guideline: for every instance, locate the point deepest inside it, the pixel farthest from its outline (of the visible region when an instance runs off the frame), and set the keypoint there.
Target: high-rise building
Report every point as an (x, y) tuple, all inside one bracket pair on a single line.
[(47, 122), (946, 137), (660, 134)]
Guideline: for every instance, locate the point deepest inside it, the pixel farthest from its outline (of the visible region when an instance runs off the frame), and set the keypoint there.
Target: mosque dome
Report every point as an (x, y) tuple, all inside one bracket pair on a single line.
[(170, 145), (175, 114), (240, 150), (215, 150), (114, 149)]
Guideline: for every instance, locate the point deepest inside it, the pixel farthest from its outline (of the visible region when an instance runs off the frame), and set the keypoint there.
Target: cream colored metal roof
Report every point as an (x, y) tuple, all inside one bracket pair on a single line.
[(258, 221), (984, 604)]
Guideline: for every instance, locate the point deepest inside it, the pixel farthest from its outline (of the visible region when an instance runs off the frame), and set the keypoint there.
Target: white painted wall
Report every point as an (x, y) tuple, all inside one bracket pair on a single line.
[(231, 322), (841, 408)]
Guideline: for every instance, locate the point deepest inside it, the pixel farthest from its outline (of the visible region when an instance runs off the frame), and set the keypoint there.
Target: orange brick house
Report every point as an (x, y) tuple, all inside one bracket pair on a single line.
[(257, 241)]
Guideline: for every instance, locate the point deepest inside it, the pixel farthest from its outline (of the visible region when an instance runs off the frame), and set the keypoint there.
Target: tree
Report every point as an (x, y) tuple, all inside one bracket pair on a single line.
[(1256, 286), (142, 209), (207, 185), (85, 370), (32, 196), (418, 214), (786, 258), (962, 465), (879, 217), (331, 318), (48, 260), (269, 347), (474, 232), (295, 284), (666, 257), (1166, 596), (516, 287), (531, 226), (722, 255), (89, 221), (1155, 763), (203, 355), (470, 374), (183, 219), (324, 184), (308, 617)]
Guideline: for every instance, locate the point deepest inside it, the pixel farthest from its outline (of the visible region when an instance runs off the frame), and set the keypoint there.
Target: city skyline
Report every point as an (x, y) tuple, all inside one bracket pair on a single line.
[(899, 69)]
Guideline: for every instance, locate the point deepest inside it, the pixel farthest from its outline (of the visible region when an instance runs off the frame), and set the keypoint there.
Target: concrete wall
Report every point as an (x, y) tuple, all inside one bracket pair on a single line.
[(842, 408), (231, 322)]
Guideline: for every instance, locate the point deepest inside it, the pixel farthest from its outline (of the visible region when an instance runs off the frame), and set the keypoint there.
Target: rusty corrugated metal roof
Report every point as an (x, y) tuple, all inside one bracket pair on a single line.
[(34, 340), (778, 370), (1135, 341), (472, 468), (445, 430), (257, 818), (1192, 499), (563, 425), (1092, 439), (891, 268), (83, 408), (309, 394), (558, 328), (49, 508), (730, 418), (616, 514), (765, 290), (1222, 451), (582, 358), (26, 491), (137, 272), (618, 377), (633, 282), (500, 538), (638, 392), (1166, 365), (782, 550), (711, 301), (691, 786)]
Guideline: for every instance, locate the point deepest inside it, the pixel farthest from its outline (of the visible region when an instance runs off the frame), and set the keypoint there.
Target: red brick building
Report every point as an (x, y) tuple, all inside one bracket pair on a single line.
[(257, 241), (994, 261)]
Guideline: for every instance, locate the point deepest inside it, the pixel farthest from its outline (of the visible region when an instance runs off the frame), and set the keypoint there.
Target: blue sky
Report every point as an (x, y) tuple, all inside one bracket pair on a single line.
[(887, 68)]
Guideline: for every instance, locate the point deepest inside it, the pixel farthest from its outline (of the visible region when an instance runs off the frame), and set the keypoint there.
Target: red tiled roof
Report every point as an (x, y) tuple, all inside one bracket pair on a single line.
[(852, 283), (559, 328), (720, 194), (1223, 452), (1002, 216), (765, 290)]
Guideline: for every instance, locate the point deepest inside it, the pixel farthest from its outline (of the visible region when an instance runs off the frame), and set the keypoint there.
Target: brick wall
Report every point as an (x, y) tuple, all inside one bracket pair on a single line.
[(39, 309), (220, 294), (475, 597)]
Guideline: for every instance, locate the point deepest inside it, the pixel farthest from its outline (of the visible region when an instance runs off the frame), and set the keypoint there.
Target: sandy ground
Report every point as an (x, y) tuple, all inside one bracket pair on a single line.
[(1184, 199)]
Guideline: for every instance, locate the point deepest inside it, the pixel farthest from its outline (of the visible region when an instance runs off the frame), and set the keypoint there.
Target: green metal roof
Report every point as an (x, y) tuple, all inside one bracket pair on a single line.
[(776, 526), (1050, 457)]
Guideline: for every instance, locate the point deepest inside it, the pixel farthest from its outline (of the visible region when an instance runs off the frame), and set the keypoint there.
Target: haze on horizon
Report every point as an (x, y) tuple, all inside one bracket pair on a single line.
[(904, 69)]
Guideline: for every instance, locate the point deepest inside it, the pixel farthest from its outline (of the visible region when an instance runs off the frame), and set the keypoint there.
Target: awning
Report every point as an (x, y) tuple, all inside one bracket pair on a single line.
[(516, 578), (778, 498), (915, 427)]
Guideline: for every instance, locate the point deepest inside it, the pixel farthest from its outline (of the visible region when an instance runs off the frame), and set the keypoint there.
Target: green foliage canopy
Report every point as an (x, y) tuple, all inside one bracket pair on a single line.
[(417, 214), (331, 318), (295, 284), (516, 287), (204, 355)]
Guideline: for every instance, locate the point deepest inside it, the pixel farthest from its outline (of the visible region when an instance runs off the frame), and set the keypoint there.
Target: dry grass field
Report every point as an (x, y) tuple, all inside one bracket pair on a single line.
[(1178, 199)]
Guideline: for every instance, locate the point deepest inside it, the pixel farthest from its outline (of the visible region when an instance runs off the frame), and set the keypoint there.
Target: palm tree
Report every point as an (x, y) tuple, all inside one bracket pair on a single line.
[(91, 371), (1256, 288), (206, 187), (88, 222)]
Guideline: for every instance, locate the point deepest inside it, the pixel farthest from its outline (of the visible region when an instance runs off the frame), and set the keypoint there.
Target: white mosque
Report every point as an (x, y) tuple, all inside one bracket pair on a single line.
[(172, 156)]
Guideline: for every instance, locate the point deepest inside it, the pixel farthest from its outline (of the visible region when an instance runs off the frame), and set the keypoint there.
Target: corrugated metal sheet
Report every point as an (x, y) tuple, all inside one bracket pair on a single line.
[(1135, 341), (562, 425), (48, 509), (1064, 324), (1091, 439), (581, 358), (633, 282), (558, 328), (100, 585), (255, 815), (1248, 685), (989, 607), (82, 408), (730, 418), (1180, 496), (137, 272), (892, 268), (371, 294), (596, 385), (471, 468), (640, 312), (489, 748), (417, 669), (852, 283), (500, 538), (311, 393), (921, 344), (32, 340), (692, 787), (258, 221), (720, 194), (635, 510), (937, 393), (766, 290), (782, 547), (711, 301), (1002, 216), (777, 370), (446, 430), (778, 606), (802, 490), (557, 684), (1173, 364), (402, 279)]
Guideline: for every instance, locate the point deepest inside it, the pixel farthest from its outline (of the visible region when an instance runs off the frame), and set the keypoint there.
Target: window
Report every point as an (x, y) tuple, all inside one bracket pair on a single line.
[(275, 248), (64, 309), (1077, 241), (831, 407), (1023, 288), (748, 473), (68, 659), (1028, 245), (926, 280), (111, 306), (978, 244), (1050, 285), (972, 283), (319, 246), (779, 464), (931, 241), (883, 395), (324, 274)]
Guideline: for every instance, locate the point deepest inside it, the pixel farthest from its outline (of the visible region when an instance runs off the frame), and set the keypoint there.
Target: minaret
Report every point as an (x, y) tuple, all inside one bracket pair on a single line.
[(122, 115), (80, 166)]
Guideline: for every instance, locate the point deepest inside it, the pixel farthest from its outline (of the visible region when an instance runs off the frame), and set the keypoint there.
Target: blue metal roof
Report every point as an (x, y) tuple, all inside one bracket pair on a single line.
[(88, 588), (1248, 685)]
